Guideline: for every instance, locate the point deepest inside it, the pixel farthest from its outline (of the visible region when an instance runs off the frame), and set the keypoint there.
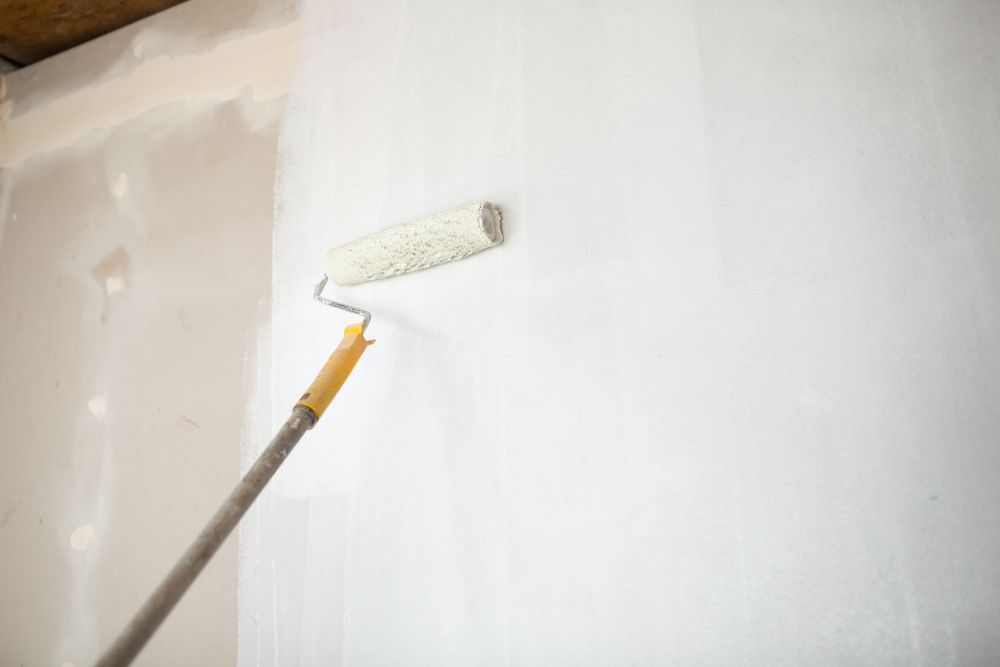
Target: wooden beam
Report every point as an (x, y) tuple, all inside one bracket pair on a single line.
[(31, 30)]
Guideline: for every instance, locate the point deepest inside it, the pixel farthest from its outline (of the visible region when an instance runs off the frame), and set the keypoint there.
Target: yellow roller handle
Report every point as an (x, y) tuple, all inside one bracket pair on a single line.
[(334, 373)]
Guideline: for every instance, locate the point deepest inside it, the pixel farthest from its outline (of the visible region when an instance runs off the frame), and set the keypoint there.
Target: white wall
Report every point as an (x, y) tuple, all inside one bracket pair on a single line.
[(728, 393)]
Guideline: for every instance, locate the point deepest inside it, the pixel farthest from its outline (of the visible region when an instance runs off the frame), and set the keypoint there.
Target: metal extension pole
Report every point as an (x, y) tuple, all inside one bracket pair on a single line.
[(148, 619)]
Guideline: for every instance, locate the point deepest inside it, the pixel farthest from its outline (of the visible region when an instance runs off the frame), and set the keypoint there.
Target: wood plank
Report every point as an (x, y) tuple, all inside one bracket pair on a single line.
[(31, 30)]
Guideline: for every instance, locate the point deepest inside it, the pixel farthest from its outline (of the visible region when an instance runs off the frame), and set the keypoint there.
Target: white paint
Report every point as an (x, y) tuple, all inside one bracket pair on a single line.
[(256, 430), (79, 539), (417, 244), (275, 613), (98, 406), (121, 185), (303, 333), (741, 329)]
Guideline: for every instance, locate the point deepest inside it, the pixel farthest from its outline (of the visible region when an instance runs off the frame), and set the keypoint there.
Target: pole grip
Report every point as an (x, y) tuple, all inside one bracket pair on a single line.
[(335, 371)]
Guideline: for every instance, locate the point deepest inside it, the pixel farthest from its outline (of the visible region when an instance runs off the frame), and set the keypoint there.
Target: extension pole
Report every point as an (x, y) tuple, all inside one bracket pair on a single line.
[(151, 615), (307, 411)]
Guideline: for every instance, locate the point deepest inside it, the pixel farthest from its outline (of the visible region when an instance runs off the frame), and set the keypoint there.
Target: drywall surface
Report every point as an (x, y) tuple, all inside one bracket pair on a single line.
[(727, 394), (136, 211)]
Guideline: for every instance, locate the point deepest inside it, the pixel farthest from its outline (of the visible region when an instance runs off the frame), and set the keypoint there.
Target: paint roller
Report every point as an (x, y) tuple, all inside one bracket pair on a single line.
[(411, 246)]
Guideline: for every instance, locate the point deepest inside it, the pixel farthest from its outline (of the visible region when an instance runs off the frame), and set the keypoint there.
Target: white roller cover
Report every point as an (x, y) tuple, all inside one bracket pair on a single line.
[(436, 239)]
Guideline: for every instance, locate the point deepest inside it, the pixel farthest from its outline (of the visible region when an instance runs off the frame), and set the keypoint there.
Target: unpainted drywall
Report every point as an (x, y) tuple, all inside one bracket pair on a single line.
[(136, 208)]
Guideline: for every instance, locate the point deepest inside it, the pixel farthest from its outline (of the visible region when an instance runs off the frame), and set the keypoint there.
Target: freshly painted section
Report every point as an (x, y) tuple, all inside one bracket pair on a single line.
[(741, 328), (417, 244)]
